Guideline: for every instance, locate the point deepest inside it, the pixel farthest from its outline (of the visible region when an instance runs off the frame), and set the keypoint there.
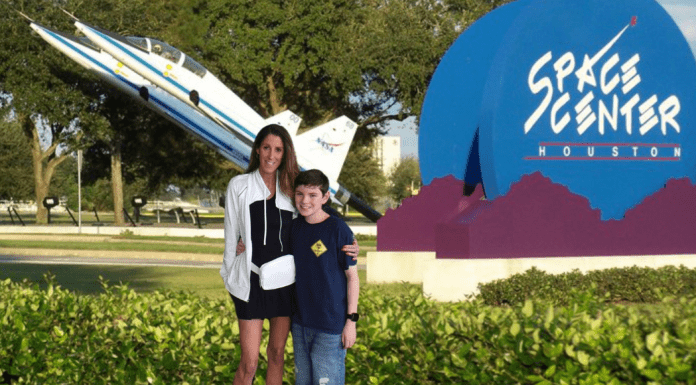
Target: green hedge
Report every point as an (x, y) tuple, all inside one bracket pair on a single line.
[(119, 337), (365, 237), (632, 284), (53, 336)]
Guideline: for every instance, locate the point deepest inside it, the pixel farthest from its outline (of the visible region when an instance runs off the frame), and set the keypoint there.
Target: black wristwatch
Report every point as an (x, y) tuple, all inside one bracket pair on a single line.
[(353, 317)]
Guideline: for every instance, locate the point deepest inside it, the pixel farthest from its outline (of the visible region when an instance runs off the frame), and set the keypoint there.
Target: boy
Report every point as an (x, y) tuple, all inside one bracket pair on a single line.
[(326, 283)]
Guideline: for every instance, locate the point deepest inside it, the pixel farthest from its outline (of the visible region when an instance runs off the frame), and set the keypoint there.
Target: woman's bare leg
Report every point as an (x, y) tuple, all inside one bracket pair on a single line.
[(250, 340), (280, 328)]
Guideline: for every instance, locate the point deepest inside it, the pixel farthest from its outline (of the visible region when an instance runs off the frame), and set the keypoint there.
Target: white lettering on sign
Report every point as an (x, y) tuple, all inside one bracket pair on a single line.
[(591, 111), (670, 152)]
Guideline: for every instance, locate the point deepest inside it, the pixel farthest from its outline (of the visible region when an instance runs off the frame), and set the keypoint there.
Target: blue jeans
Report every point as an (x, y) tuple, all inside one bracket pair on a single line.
[(319, 357)]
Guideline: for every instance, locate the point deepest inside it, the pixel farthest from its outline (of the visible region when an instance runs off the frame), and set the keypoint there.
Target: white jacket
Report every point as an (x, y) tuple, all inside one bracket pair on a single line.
[(242, 191)]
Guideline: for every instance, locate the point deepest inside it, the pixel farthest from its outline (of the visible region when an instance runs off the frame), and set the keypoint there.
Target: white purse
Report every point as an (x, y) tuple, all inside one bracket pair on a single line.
[(277, 273)]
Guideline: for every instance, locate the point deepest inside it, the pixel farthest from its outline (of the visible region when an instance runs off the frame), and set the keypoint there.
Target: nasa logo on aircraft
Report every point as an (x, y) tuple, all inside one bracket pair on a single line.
[(596, 95), (326, 145)]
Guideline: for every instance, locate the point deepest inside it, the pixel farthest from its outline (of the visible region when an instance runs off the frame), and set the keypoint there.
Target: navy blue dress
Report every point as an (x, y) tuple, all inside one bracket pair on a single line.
[(276, 226)]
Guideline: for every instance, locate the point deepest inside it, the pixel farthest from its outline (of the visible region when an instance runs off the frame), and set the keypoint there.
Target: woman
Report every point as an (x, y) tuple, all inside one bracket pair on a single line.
[(259, 209)]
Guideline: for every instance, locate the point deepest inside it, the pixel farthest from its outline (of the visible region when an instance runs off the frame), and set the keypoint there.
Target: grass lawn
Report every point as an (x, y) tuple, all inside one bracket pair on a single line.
[(107, 217), (205, 282), (164, 238), (130, 246), (129, 242), (85, 279)]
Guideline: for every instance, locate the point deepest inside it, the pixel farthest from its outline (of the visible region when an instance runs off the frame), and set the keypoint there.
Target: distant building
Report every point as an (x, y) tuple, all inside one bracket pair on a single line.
[(388, 152)]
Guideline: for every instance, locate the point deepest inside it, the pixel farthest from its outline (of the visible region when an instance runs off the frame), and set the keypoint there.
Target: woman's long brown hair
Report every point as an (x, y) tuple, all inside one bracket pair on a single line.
[(288, 168)]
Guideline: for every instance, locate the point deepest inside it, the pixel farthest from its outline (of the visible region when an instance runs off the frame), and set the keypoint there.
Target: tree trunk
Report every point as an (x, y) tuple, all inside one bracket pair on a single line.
[(44, 167), (117, 185), (276, 105), (40, 190)]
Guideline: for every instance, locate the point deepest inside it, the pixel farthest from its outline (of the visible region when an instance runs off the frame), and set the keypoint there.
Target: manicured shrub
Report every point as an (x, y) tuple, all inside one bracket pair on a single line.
[(53, 336), (631, 284)]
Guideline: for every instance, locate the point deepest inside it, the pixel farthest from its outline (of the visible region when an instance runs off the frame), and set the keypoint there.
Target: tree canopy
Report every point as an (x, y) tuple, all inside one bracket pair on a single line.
[(369, 60), (362, 176), (16, 180), (41, 92)]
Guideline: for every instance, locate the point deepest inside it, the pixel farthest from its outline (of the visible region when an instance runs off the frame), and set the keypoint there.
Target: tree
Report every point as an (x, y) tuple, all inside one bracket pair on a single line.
[(368, 60), (41, 94), (15, 162), (278, 55), (361, 175), (320, 59), (404, 179), (155, 151)]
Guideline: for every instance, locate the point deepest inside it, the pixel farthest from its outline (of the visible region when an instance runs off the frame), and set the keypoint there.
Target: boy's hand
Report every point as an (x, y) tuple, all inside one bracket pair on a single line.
[(352, 250), (349, 335), (240, 247)]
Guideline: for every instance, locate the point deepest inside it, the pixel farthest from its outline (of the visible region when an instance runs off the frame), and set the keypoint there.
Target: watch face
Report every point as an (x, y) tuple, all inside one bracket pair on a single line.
[(353, 317)]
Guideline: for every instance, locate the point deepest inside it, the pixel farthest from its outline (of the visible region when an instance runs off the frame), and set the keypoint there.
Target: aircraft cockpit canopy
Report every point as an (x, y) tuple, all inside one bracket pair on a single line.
[(194, 67), (139, 42), (168, 52), (86, 42), (165, 50)]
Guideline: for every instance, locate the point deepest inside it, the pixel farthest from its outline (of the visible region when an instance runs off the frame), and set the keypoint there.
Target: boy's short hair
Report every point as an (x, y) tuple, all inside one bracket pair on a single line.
[(314, 178)]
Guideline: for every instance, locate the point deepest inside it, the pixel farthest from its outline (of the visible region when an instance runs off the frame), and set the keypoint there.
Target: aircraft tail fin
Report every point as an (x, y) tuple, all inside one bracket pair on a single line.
[(326, 147), (287, 119)]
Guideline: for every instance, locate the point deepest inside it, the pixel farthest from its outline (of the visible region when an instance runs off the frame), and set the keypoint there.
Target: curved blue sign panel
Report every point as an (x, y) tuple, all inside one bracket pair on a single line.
[(596, 95), (450, 114)]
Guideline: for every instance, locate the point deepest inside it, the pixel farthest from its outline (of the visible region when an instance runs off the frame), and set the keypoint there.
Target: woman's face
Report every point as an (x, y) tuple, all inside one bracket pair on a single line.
[(270, 154)]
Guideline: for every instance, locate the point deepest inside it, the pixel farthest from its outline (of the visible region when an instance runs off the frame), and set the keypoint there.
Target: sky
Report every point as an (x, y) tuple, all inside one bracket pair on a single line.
[(682, 11)]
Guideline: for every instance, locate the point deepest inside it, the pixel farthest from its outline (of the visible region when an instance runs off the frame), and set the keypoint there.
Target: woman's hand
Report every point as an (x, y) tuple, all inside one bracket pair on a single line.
[(352, 250)]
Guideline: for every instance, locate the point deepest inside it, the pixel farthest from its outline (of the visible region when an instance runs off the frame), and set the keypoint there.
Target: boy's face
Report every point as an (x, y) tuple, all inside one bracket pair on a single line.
[(309, 199)]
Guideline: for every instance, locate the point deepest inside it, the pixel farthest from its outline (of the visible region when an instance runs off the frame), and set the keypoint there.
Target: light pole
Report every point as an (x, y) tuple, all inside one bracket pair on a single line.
[(79, 191)]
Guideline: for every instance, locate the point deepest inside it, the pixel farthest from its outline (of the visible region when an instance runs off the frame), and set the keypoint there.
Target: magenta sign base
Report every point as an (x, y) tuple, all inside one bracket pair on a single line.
[(537, 218)]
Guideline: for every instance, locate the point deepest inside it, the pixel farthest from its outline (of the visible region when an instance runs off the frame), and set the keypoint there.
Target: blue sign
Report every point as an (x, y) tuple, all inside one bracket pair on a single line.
[(450, 115), (597, 95)]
